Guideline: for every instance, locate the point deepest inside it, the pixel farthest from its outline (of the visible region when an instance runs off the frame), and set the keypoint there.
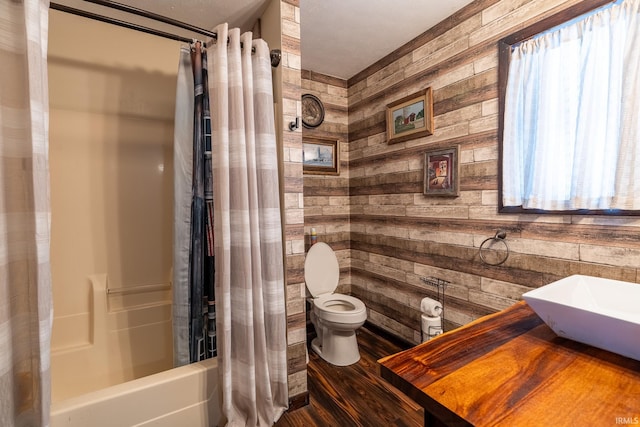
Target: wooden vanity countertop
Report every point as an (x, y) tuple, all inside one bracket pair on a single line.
[(510, 369)]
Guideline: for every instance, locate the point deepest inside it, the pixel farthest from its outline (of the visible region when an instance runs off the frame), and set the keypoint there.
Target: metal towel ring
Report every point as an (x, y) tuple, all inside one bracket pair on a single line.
[(500, 236)]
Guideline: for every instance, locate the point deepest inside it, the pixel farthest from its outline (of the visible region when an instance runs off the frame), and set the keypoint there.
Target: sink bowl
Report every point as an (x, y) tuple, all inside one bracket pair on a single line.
[(600, 312)]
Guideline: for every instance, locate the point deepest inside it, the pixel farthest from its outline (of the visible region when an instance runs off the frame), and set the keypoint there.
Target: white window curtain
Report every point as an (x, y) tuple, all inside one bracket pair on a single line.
[(571, 129)]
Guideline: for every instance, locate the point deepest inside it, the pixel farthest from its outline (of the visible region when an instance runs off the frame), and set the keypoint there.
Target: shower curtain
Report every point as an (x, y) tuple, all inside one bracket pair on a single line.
[(194, 298), (247, 234), (25, 274)]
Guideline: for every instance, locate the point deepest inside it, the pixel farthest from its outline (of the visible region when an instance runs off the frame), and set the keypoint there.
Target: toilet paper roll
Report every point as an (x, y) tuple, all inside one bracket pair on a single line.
[(430, 307), (431, 326)]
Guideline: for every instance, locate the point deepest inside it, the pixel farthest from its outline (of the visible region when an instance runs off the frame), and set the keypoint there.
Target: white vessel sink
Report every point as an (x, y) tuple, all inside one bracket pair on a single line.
[(603, 313)]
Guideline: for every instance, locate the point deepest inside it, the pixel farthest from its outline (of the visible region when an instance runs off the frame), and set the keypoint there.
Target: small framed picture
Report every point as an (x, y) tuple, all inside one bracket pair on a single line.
[(320, 156), (441, 172), (410, 117)]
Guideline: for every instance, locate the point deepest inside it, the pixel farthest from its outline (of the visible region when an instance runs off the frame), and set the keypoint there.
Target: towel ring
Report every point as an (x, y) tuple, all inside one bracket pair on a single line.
[(500, 236)]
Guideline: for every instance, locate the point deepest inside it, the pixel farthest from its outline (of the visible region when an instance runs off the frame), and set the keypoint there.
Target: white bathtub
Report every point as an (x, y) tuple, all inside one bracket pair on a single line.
[(105, 381), (185, 396), (126, 335)]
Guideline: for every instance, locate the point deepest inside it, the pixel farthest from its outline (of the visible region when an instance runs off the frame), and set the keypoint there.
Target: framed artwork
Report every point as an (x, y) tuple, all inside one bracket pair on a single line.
[(442, 172), (320, 156), (410, 117)]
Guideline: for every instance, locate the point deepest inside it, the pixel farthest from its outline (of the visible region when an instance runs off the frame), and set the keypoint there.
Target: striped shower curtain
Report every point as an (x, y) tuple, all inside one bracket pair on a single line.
[(247, 234), (25, 273)]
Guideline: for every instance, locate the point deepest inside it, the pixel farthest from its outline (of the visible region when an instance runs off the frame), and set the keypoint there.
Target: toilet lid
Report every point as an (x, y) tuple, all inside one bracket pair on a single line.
[(321, 270)]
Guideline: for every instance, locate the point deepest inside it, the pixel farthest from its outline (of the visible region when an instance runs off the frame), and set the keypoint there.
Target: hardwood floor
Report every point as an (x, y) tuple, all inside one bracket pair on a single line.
[(354, 395)]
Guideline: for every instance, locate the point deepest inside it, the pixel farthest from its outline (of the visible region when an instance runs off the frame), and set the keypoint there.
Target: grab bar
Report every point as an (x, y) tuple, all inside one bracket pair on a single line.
[(137, 289)]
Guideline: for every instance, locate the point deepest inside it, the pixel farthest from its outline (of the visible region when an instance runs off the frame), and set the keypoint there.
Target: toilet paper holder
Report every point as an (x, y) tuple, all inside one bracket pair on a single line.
[(441, 286)]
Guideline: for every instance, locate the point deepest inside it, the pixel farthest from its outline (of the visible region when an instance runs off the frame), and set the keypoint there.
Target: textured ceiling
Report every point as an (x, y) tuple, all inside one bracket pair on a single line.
[(343, 37), (338, 37)]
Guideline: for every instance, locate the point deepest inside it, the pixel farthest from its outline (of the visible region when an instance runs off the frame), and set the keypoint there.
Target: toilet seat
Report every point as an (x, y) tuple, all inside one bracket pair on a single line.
[(321, 274), (321, 270), (340, 308)]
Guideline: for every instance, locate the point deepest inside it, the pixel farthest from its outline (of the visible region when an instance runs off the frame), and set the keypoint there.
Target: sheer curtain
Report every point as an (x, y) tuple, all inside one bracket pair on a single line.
[(25, 275), (571, 137)]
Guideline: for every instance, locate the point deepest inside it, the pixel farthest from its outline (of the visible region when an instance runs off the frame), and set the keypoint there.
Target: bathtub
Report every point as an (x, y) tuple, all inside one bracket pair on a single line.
[(184, 396), (121, 375)]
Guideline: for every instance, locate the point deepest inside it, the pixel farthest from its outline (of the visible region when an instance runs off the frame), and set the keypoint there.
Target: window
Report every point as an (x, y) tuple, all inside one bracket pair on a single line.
[(569, 101)]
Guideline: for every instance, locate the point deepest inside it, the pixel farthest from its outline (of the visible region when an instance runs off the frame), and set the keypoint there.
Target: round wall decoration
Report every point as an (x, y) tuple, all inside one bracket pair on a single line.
[(312, 111)]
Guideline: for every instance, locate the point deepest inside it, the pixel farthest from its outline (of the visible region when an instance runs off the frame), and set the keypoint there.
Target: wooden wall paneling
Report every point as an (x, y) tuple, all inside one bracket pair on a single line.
[(459, 59)]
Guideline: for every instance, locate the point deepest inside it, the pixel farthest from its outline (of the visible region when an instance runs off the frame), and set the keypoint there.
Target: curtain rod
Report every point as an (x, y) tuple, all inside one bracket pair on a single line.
[(118, 22), (153, 16), (275, 53)]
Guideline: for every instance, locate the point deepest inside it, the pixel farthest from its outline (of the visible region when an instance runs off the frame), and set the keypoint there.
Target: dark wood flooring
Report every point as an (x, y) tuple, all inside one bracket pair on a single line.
[(354, 395)]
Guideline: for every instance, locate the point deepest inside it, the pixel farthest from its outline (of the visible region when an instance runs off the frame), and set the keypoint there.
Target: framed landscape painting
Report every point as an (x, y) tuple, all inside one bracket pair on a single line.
[(320, 156), (410, 117)]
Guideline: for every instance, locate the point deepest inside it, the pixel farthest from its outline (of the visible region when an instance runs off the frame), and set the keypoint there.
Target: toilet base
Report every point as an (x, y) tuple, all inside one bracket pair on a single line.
[(340, 348)]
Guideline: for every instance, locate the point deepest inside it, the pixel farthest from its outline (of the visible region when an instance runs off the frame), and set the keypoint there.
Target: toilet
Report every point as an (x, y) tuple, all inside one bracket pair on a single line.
[(334, 316)]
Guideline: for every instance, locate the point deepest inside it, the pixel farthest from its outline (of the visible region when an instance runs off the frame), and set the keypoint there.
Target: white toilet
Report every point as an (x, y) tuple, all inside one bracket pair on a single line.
[(334, 316)]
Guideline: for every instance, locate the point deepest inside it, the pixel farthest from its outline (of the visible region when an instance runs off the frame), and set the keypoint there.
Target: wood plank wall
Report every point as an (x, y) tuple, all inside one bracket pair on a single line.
[(326, 197), (397, 235), (293, 204)]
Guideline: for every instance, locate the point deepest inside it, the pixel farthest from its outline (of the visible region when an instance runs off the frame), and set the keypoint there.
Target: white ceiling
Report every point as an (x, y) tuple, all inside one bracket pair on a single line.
[(343, 37), (338, 37)]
